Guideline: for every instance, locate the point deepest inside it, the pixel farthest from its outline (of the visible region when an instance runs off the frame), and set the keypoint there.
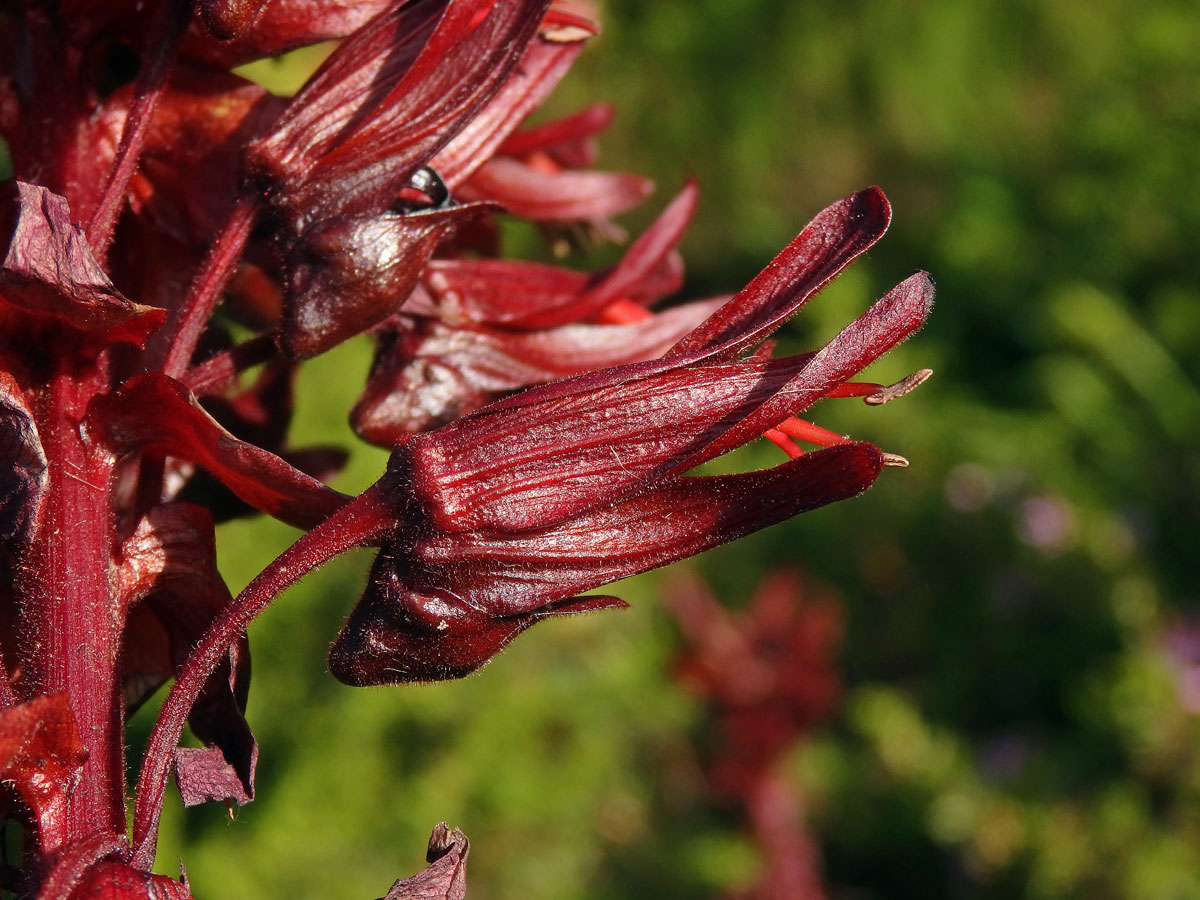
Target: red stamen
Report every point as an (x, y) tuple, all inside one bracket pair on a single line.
[(623, 312), (783, 442), (855, 389), (813, 434)]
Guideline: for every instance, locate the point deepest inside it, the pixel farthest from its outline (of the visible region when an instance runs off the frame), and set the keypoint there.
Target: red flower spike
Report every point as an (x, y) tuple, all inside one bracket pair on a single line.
[(49, 271), (156, 415), (438, 597)]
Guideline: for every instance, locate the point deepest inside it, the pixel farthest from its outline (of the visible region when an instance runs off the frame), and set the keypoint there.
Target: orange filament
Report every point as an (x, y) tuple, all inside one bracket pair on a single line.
[(855, 389), (813, 434), (623, 312), (783, 442)]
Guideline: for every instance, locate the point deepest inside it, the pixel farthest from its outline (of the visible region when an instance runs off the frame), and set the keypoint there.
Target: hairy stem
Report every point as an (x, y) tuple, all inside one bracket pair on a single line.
[(361, 522), (205, 290)]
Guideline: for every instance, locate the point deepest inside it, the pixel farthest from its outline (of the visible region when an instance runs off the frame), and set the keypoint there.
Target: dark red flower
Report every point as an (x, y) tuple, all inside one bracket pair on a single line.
[(504, 516)]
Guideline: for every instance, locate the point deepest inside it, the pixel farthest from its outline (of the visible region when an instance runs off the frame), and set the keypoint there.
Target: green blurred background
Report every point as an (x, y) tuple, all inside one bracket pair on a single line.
[(1022, 650)]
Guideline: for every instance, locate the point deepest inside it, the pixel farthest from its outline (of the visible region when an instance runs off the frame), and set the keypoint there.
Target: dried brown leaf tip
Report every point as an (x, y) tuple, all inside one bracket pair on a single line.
[(446, 876)]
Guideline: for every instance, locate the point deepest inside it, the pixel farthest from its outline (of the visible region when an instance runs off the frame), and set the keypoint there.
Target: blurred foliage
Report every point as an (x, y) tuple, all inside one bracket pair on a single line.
[(1022, 659)]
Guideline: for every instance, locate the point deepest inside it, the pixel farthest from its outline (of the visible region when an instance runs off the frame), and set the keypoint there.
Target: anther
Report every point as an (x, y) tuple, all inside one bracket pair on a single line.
[(899, 389)]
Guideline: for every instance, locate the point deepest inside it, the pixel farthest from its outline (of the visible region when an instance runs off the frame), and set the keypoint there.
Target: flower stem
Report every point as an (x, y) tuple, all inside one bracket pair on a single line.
[(205, 289), (167, 31), (359, 523)]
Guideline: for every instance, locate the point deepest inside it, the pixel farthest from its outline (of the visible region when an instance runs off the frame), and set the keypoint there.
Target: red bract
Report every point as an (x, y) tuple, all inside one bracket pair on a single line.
[(367, 203)]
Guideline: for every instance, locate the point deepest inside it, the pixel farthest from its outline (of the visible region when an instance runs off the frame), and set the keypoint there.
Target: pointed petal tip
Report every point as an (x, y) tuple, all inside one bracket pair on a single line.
[(584, 604)]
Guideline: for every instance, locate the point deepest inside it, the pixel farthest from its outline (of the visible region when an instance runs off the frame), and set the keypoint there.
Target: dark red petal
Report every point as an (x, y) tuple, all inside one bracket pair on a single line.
[(380, 107), (822, 249), (445, 605), (446, 876), (532, 296), (543, 463), (350, 274), (826, 246), (499, 291), (553, 136), (566, 196), (22, 464), (116, 881), (429, 377), (40, 753), (515, 574), (540, 70), (49, 270), (397, 635), (158, 416)]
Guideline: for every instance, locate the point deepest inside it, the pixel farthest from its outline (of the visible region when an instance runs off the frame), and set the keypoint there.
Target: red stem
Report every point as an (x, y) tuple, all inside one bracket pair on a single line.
[(205, 290), (359, 523), (68, 615), (167, 31), (217, 373)]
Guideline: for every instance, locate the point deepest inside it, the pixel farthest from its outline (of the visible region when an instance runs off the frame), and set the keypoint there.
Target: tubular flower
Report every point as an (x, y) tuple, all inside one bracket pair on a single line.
[(507, 514)]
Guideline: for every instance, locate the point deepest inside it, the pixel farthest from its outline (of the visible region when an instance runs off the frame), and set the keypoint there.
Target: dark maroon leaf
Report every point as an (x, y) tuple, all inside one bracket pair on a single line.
[(439, 605), (40, 754), (49, 270), (22, 464), (157, 415), (204, 774), (348, 275), (446, 876)]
